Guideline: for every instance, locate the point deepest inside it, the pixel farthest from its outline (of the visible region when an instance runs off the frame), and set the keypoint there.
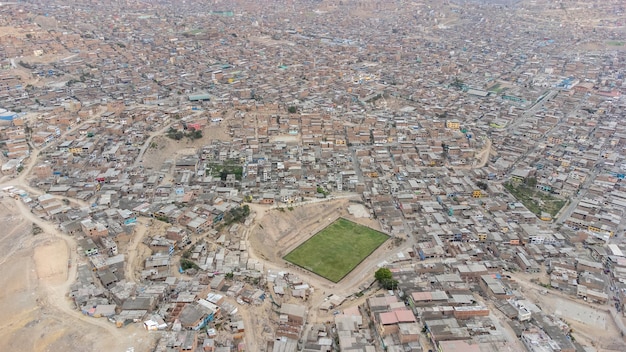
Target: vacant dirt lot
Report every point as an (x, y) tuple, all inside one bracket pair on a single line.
[(591, 323), (166, 148)]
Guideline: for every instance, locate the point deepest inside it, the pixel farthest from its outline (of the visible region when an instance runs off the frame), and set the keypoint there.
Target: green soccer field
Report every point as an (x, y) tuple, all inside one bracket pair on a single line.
[(333, 252)]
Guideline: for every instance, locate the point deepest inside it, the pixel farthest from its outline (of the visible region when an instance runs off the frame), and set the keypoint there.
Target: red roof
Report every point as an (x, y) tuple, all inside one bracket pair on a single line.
[(397, 316), (405, 316), (422, 296), (388, 318)]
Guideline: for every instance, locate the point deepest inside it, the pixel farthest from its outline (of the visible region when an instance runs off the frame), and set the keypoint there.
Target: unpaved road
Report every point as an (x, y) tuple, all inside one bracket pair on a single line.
[(591, 322), (36, 279), (275, 232)]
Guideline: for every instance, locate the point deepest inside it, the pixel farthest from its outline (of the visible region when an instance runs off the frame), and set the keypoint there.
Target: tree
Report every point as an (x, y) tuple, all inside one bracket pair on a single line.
[(187, 264), (382, 274), (292, 109), (385, 279)]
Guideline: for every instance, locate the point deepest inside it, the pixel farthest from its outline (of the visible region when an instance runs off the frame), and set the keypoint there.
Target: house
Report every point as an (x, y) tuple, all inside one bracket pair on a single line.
[(146, 304), (296, 314), (109, 245), (188, 341), (88, 246), (493, 286), (267, 198), (453, 124), (520, 175), (388, 322), (199, 224), (195, 316), (93, 229), (217, 283), (176, 233), (189, 163)]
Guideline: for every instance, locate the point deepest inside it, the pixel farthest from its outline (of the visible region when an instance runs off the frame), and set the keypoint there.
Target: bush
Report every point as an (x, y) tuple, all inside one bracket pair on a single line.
[(163, 218), (322, 191), (187, 264), (197, 134), (175, 135), (36, 229), (237, 214)]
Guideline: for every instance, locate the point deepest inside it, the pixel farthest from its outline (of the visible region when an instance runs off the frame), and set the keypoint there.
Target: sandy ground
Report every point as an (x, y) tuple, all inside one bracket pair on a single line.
[(168, 149), (591, 323), (277, 232), (134, 247), (35, 279)]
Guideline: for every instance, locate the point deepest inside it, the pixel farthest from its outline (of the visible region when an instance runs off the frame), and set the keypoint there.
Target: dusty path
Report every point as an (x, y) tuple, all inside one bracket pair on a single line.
[(21, 181), (147, 143), (52, 252), (600, 330), (139, 232), (483, 155), (57, 293)]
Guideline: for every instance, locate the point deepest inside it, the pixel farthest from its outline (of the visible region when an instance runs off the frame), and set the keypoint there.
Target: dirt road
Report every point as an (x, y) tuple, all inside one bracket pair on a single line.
[(139, 232), (592, 323), (270, 237), (36, 280), (148, 142), (483, 156)]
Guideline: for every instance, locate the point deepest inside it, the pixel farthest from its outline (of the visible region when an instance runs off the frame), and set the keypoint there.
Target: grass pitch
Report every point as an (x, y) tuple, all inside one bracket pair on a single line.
[(337, 249)]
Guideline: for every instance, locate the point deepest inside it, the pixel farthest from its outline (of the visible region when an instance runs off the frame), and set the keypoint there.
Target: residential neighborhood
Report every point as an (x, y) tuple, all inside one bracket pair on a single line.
[(178, 153)]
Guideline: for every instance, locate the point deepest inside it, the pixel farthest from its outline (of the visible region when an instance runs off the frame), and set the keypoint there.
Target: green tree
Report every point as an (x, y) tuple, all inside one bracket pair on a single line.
[(188, 264), (385, 279), (292, 109), (383, 274)]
